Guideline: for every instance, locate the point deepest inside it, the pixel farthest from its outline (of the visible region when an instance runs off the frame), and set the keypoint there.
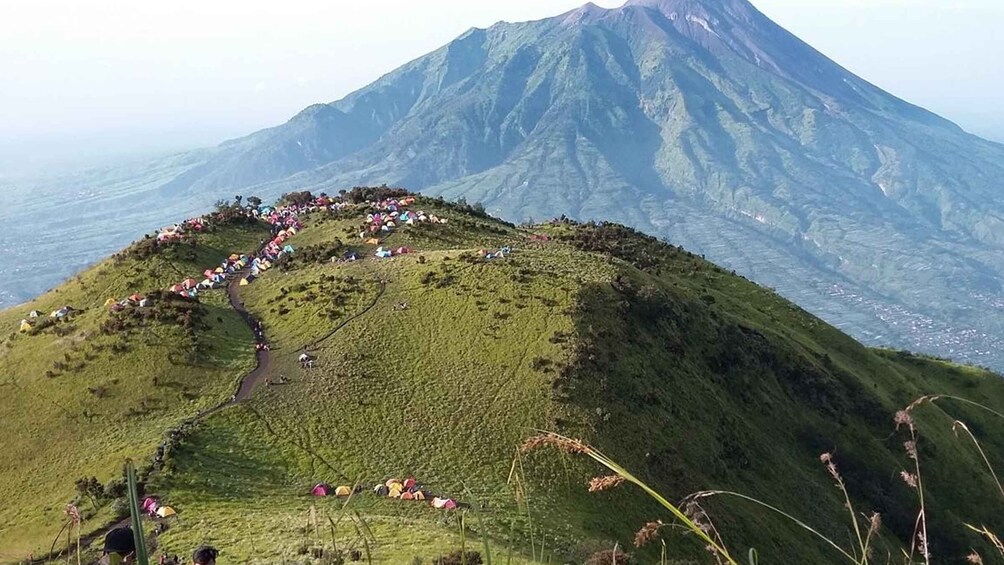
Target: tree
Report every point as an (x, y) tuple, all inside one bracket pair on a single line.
[(254, 201), (91, 488)]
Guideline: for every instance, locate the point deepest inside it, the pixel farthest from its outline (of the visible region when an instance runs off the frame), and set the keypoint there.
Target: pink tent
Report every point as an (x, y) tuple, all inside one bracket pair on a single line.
[(449, 504), (149, 504), (321, 490), (409, 483)]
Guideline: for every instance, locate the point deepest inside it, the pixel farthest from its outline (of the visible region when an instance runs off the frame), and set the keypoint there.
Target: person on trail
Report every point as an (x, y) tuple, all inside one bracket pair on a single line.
[(120, 547), (205, 555)]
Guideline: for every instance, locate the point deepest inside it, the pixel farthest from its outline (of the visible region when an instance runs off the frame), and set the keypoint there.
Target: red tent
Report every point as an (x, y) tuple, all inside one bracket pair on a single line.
[(176, 288), (189, 283), (136, 297)]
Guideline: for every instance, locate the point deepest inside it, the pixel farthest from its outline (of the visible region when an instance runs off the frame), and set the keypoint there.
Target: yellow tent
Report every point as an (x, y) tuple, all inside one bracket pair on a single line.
[(25, 326), (419, 495), (244, 282), (373, 241), (110, 301), (165, 511), (219, 269), (343, 491)]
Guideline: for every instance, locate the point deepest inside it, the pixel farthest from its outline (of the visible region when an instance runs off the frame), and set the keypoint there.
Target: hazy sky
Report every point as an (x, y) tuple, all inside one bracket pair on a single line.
[(105, 77)]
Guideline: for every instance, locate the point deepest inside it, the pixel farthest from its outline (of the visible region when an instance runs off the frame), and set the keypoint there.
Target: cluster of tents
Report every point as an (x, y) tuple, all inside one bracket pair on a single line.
[(156, 510), (27, 323), (388, 252), (137, 300), (176, 231), (408, 489), (391, 214), (285, 225)]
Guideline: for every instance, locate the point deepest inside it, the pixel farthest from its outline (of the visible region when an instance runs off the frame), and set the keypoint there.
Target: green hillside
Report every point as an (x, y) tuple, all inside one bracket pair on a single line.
[(439, 363)]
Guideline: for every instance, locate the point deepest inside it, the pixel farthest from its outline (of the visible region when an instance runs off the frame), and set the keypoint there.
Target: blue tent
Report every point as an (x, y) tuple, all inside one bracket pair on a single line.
[(288, 249)]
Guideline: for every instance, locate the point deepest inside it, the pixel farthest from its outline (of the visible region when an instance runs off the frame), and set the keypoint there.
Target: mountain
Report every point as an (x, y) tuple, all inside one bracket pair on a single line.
[(691, 377), (698, 121)]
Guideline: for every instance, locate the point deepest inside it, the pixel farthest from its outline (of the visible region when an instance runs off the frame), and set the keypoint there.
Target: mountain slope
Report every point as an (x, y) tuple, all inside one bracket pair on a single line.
[(699, 121), (440, 362)]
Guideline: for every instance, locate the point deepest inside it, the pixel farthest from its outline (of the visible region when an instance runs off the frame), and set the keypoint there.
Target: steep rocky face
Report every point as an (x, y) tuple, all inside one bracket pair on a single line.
[(696, 120)]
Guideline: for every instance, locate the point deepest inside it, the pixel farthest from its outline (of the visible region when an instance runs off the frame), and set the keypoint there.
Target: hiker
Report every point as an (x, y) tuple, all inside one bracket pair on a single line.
[(120, 547), (205, 555)]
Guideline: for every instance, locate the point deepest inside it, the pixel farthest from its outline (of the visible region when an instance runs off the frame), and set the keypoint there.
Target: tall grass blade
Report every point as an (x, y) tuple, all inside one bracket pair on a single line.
[(798, 522), (134, 514), (579, 447), (955, 427), (463, 539)]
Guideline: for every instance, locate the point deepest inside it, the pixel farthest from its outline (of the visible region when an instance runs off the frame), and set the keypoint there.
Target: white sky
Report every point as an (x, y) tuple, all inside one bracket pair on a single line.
[(85, 77)]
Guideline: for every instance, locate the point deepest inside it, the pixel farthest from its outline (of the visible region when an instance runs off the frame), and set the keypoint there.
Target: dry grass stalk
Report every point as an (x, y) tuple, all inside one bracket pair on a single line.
[(548, 439), (597, 484), (647, 533)]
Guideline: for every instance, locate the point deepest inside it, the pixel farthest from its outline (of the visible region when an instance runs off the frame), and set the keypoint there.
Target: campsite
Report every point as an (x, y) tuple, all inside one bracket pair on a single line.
[(389, 349)]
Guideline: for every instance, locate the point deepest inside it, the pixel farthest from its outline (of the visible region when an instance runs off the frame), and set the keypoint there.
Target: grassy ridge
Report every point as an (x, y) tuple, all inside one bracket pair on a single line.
[(78, 400), (439, 364)]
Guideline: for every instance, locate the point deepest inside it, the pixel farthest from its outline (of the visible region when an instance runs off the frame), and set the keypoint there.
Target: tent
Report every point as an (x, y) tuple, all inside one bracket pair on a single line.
[(219, 270), (208, 273), (321, 489), (419, 495), (136, 298), (373, 241), (145, 303), (25, 326), (409, 483), (34, 314), (108, 302), (165, 512), (62, 312), (244, 282), (407, 496), (381, 490), (288, 249), (343, 491), (234, 257)]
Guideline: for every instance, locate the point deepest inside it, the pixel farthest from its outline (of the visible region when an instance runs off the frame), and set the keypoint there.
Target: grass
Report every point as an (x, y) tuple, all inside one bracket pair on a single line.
[(439, 364), (104, 406)]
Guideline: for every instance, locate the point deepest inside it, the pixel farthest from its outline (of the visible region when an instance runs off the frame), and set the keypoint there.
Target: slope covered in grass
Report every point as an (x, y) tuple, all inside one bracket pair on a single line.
[(439, 363), (81, 395)]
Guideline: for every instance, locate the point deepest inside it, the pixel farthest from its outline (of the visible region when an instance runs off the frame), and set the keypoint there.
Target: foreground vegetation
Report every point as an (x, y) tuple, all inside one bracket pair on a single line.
[(439, 364)]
